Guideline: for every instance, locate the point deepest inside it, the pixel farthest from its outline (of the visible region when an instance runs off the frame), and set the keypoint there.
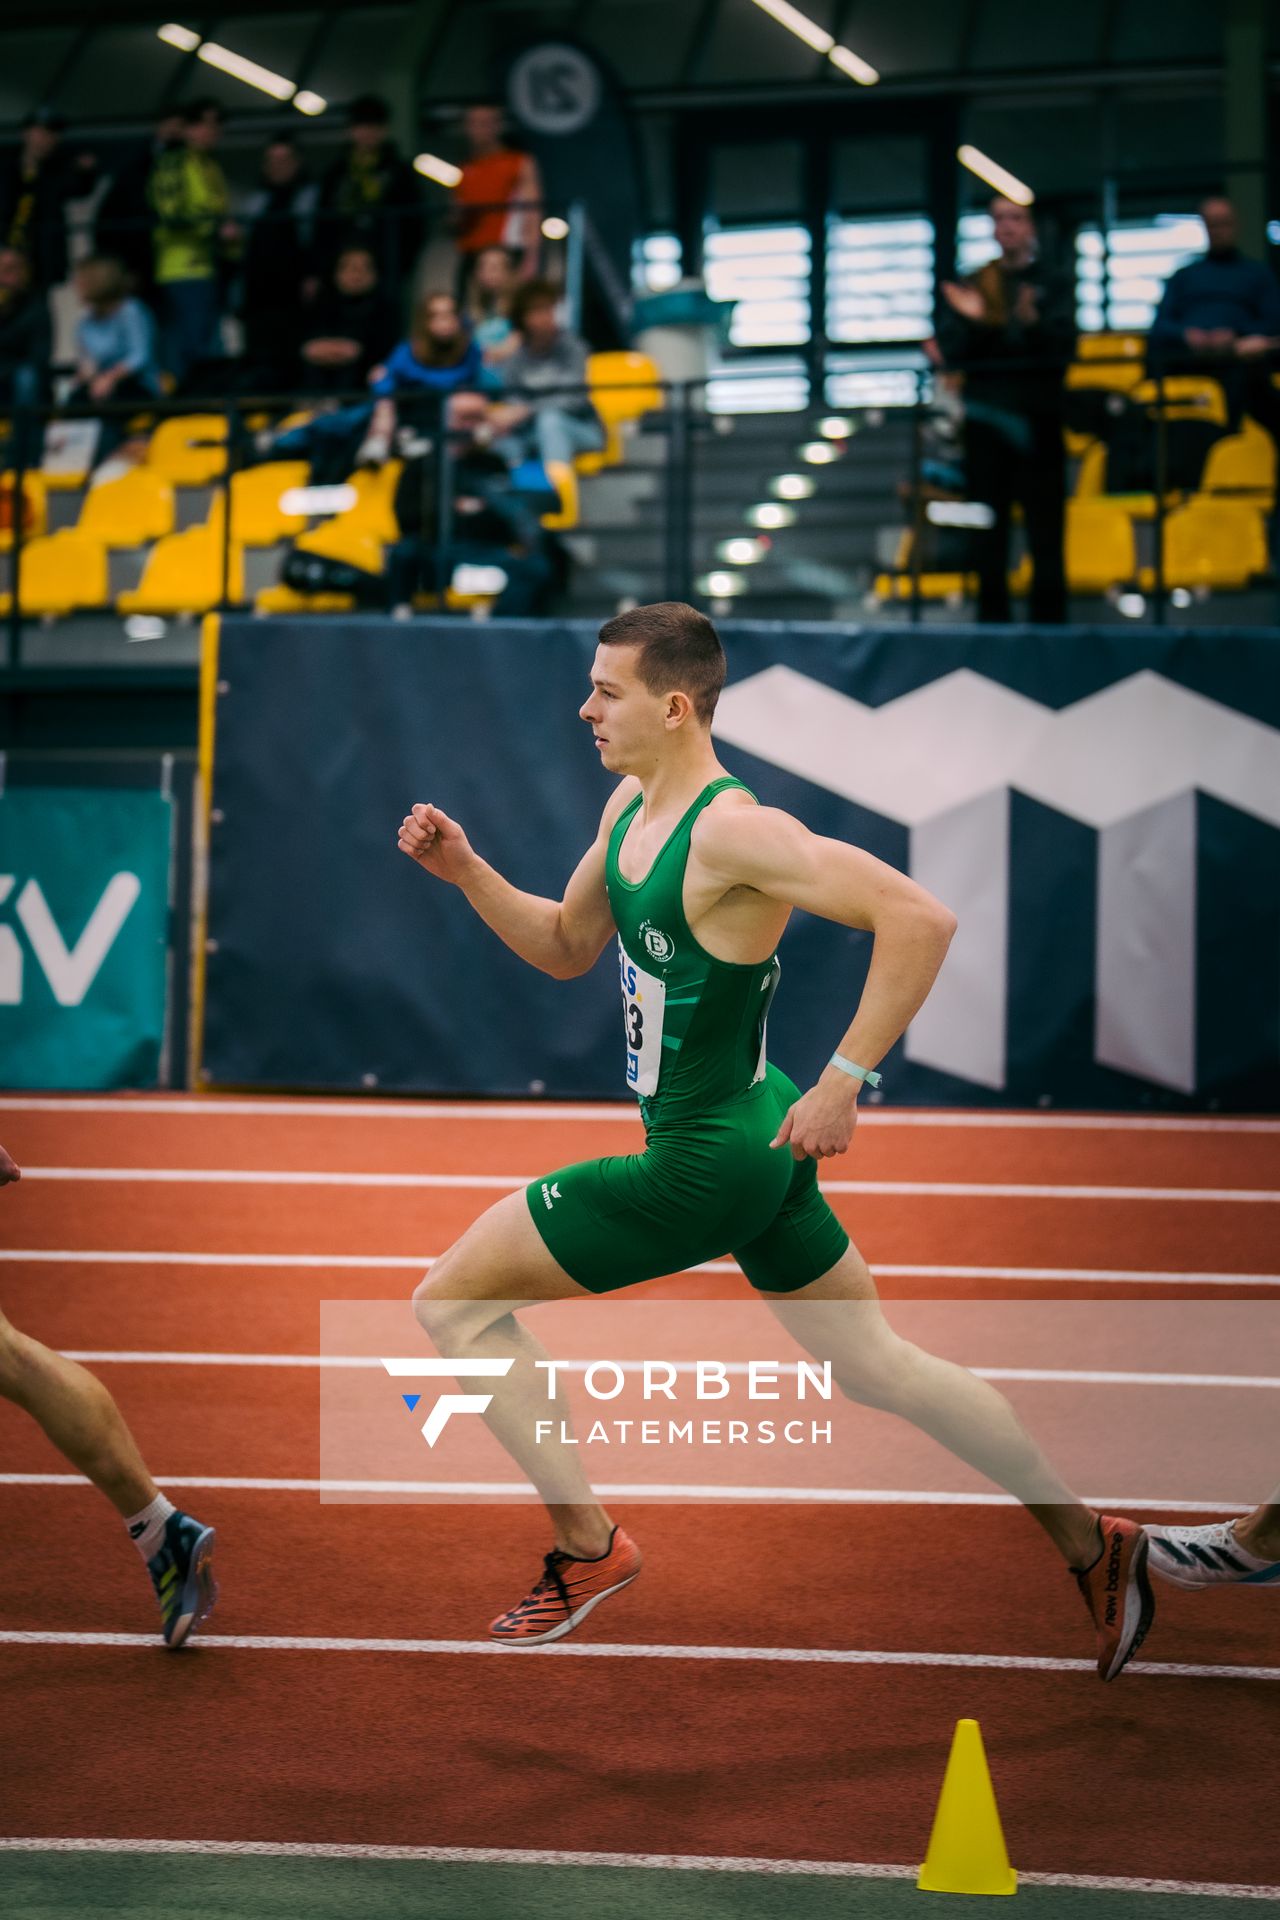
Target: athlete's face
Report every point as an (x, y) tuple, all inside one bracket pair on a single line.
[(629, 722)]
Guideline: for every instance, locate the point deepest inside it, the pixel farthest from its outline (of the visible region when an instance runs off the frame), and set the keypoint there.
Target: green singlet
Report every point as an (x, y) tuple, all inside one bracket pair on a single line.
[(707, 1179)]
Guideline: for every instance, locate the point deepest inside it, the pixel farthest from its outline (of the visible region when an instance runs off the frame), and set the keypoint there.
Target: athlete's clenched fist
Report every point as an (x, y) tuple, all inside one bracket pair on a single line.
[(436, 842)]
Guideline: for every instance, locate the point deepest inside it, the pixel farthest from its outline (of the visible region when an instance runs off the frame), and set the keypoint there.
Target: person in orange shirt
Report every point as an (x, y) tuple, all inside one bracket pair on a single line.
[(498, 199)]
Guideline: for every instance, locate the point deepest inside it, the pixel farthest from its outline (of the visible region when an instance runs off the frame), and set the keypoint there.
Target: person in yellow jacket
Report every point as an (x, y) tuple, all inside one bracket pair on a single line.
[(188, 195)]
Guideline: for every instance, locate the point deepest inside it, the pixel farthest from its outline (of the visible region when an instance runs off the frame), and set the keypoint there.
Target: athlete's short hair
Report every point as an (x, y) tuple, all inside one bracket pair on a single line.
[(680, 651)]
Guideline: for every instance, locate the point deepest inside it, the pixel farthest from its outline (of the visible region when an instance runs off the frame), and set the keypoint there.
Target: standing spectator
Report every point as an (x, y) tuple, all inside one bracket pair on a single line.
[(369, 197), (498, 199), (124, 221), (490, 298), (24, 333), (549, 357), (115, 347), (36, 183), (189, 197), (1016, 309), (279, 242), (349, 329), (1221, 315)]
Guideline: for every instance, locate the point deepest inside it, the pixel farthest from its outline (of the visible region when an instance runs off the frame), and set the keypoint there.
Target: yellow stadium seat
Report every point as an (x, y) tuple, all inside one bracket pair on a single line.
[(258, 518), (565, 481), (60, 573), (1099, 546), (190, 450), (130, 511), (623, 386), (183, 574), (374, 509), (1212, 543), (1111, 346), (35, 510), (337, 540), (1243, 462), (1186, 396)]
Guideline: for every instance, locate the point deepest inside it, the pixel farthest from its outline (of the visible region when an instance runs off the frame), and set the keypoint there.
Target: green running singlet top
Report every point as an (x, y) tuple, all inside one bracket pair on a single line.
[(694, 1036)]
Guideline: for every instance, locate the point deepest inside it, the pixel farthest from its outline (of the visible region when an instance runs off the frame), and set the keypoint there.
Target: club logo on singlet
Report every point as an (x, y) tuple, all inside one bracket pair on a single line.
[(658, 945)]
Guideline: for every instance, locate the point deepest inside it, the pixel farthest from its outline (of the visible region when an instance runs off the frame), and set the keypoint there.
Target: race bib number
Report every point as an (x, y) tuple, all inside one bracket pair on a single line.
[(644, 1001)]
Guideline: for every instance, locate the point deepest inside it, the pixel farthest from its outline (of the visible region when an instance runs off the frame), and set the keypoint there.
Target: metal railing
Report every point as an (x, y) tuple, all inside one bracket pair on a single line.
[(679, 506)]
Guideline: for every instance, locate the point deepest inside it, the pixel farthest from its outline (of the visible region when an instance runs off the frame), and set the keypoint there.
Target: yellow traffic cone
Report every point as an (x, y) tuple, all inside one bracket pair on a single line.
[(966, 1848)]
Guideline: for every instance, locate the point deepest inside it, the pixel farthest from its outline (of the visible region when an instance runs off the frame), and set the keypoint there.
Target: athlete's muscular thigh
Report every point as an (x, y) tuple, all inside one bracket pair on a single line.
[(500, 1259)]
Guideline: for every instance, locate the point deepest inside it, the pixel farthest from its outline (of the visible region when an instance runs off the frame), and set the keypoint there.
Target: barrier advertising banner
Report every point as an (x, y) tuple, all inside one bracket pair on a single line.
[(1100, 810), (84, 919)]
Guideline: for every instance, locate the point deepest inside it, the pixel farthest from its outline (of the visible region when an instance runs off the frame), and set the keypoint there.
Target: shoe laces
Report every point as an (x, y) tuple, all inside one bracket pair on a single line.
[(552, 1578)]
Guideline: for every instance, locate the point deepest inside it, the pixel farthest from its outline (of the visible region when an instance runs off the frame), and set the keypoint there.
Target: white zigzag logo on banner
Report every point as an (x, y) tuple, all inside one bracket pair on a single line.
[(942, 760)]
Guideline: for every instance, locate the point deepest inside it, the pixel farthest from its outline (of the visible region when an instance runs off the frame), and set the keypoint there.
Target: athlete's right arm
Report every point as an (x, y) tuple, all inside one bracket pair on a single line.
[(561, 937)]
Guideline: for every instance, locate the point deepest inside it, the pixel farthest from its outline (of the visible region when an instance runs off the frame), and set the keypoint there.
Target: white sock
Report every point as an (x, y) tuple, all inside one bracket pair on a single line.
[(146, 1529)]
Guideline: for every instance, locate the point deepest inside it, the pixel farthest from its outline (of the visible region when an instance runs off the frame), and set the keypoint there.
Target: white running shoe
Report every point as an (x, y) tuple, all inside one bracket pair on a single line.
[(1206, 1557)]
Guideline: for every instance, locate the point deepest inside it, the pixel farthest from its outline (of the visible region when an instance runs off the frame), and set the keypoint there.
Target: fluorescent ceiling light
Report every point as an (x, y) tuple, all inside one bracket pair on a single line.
[(820, 40), (791, 486), (819, 453), (771, 514), (180, 37), (798, 23), (741, 552), (307, 102), (433, 168), (860, 70), (835, 427), (554, 228), (721, 586), (995, 175), (247, 70)]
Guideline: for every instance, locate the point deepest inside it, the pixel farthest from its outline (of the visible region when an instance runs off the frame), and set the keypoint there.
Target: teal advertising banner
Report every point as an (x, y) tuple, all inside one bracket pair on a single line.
[(84, 915)]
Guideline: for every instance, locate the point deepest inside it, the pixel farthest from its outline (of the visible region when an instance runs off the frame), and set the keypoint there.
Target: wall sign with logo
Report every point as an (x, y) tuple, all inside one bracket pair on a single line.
[(84, 916)]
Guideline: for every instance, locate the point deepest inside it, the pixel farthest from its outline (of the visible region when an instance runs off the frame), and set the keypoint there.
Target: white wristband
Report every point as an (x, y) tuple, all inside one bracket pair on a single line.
[(856, 1073)]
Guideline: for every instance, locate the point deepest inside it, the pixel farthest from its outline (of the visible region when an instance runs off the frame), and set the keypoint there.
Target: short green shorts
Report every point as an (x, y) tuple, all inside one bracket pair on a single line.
[(700, 1187)]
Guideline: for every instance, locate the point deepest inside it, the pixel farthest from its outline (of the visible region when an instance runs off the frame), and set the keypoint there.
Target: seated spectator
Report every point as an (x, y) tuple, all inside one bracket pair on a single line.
[(370, 197), (36, 183), (438, 358), (349, 328), (1017, 309), (115, 347), (25, 343), (548, 359), (498, 199), (278, 255), (1221, 314), (189, 198), (489, 299)]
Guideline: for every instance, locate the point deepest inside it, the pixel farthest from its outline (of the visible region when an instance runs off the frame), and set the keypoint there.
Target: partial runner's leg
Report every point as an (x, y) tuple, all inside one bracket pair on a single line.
[(1259, 1531), (876, 1367), (464, 1305), (78, 1415)]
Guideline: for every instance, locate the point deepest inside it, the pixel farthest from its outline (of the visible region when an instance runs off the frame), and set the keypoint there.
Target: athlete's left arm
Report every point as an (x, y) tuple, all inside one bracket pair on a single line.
[(764, 848)]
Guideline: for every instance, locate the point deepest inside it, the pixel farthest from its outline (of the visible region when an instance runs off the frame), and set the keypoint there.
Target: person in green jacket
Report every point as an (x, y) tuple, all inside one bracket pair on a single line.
[(188, 195)]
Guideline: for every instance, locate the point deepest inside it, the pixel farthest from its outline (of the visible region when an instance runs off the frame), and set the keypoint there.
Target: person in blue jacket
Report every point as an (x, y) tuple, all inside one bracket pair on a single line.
[(1220, 315)]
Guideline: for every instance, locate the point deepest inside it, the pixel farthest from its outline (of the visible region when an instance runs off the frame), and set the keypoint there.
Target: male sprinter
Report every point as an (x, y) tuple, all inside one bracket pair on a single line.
[(697, 882), (85, 1424)]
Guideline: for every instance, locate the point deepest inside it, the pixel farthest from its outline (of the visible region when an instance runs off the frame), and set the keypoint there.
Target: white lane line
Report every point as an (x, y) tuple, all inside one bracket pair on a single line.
[(641, 1650), (625, 1111), (512, 1182), (1036, 1376), (633, 1490), (659, 1862), (417, 1262)]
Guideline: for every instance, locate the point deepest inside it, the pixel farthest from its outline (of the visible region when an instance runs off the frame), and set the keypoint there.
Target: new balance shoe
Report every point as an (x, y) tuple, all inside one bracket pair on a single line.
[(1118, 1594), (1207, 1557), (182, 1576), (566, 1593)]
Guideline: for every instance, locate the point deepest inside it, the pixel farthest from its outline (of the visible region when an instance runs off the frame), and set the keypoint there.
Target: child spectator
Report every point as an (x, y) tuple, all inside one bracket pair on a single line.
[(552, 359), (115, 347), (490, 296)]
